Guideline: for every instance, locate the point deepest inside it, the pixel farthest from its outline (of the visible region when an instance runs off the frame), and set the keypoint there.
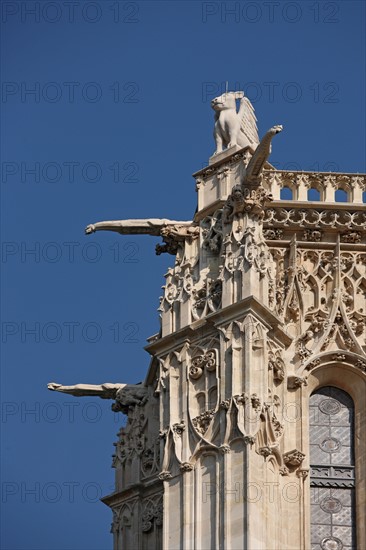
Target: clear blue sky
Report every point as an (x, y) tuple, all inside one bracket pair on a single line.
[(125, 87)]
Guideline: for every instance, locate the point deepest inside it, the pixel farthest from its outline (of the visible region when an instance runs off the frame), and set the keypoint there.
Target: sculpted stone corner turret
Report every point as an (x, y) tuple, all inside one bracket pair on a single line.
[(265, 300)]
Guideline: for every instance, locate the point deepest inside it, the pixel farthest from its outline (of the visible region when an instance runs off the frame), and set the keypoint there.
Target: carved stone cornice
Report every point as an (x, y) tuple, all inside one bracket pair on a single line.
[(209, 210), (251, 305), (211, 322), (137, 490), (234, 158)]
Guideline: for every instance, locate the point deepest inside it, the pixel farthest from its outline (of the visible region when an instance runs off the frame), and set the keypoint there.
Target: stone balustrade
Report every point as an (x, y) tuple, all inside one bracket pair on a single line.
[(324, 186), (215, 183)]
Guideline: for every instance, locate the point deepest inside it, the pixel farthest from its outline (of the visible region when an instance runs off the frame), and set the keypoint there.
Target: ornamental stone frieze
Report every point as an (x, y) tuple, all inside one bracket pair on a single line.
[(348, 218)]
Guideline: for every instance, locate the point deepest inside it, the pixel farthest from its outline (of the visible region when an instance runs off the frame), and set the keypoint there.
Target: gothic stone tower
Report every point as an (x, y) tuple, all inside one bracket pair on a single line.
[(249, 431)]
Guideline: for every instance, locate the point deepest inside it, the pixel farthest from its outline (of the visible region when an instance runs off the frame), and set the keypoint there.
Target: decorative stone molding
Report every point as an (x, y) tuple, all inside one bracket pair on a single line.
[(165, 475), (202, 421), (277, 366), (242, 398), (206, 299), (195, 372), (245, 202), (294, 382), (163, 433), (313, 364), (130, 396), (186, 467), (147, 460), (332, 218), (301, 182), (212, 232), (223, 173), (199, 183), (207, 361), (273, 234), (179, 428), (214, 169), (153, 513), (361, 364), (256, 402), (293, 458), (302, 473), (265, 451), (351, 237), (352, 359), (174, 235), (338, 357), (312, 235)]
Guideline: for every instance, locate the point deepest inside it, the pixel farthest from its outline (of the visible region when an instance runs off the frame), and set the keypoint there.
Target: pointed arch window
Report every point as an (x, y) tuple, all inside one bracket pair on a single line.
[(332, 471)]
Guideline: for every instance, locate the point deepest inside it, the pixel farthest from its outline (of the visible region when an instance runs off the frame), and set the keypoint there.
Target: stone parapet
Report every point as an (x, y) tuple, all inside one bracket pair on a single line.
[(325, 184)]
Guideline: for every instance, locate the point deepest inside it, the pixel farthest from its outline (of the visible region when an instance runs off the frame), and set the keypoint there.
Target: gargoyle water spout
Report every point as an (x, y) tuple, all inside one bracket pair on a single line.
[(125, 395)]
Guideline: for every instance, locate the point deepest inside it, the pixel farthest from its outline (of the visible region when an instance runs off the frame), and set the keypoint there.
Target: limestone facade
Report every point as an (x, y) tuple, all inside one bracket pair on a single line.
[(265, 304), (249, 429)]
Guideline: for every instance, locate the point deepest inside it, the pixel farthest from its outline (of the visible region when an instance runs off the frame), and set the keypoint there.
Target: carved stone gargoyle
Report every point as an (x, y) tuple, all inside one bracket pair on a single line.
[(125, 395), (172, 232)]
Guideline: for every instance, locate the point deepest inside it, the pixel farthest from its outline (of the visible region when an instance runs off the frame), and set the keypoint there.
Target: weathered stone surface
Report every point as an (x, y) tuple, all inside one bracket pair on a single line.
[(266, 303)]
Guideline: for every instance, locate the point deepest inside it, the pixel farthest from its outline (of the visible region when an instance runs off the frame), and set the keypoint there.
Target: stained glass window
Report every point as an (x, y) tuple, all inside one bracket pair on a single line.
[(332, 474)]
